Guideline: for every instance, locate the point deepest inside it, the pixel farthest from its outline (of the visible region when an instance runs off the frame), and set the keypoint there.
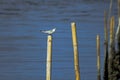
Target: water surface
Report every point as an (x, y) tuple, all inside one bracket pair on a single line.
[(23, 47)]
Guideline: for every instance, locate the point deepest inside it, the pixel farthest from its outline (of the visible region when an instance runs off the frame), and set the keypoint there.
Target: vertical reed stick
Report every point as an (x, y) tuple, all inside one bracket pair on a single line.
[(49, 57), (112, 47), (112, 23), (105, 27), (119, 25), (75, 48), (98, 57), (110, 10), (105, 76), (118, 28)]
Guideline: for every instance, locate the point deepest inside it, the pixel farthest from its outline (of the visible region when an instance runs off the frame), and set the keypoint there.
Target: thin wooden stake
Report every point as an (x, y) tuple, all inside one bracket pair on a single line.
[(112, 47), (105, 77), (98, 57), (75, 46), (118, 28), (105, 27), (110, 10), (112, 23), (49, 57)]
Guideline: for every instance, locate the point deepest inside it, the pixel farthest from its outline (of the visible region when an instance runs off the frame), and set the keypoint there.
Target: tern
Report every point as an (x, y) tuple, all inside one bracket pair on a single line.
[(49, 31)]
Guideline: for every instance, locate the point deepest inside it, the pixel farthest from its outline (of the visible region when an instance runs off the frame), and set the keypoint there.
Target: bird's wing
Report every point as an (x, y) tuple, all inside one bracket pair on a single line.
[(45, 32)]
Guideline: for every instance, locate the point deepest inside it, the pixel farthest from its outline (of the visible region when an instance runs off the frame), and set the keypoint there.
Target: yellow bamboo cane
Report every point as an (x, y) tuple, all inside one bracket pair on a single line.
[(49, 57), (75, 48), (98, 57)]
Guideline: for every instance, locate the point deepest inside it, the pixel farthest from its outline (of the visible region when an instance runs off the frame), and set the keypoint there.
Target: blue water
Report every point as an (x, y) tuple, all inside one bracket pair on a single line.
[(23, 47)]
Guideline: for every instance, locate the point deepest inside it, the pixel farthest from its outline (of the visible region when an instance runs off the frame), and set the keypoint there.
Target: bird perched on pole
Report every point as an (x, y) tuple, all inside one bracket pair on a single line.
[(49, 32)]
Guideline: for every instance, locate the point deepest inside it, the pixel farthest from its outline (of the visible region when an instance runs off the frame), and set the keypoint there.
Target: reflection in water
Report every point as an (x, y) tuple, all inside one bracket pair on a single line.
[(23, 47)]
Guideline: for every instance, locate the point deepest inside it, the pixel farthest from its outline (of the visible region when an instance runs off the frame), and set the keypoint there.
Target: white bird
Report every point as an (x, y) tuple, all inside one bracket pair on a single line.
[(49, 31)]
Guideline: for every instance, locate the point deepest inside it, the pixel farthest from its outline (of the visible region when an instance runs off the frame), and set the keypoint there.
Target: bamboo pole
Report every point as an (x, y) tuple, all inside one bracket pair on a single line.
[(112, 23), (118, 28), (98, 57), (112, 47), (49, 57), (119, 25), (105, 27), (105, 76), (110, 10), (75, 48)]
